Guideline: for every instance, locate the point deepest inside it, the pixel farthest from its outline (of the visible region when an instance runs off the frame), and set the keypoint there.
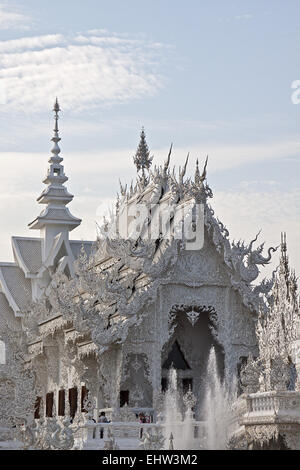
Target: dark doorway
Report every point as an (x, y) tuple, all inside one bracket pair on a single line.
[(164, 384)]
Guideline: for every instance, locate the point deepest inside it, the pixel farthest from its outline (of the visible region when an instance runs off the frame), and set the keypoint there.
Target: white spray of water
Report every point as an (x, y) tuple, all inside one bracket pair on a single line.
[(171, 411), (216, 412), (180, 425), (217, 407)]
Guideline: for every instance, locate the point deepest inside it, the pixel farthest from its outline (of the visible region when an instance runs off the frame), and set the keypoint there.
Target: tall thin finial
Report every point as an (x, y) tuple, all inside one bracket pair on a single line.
[(167, 162), (182, 171), (56, 138), (56, 110), (56, 106)]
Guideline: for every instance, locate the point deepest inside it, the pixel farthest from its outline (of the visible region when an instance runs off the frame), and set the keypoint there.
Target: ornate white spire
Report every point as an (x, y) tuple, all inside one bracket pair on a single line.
[(55, 217), (199, 190), (284, 260), (286, 286), (142, 157)]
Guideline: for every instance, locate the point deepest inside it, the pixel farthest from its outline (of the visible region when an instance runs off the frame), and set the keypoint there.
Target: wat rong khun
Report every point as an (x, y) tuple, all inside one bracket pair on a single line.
[(160, 334)]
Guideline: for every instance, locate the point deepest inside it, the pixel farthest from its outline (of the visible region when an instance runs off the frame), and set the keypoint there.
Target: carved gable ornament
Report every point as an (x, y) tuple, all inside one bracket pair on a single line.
[(193, 316), (193, 312)]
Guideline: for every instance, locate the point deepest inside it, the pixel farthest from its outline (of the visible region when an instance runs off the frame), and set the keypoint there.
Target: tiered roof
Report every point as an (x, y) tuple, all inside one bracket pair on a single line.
[(18, 279)]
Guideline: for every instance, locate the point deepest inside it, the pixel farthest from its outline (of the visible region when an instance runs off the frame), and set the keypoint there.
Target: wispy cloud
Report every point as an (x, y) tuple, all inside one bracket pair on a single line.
[(241, 17), (11, 18), (245, 16), (86, 70), (227, 156)]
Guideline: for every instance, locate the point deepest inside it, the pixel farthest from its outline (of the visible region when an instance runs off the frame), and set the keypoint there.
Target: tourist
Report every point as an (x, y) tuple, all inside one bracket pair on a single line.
[(102, 419), (142, 420)]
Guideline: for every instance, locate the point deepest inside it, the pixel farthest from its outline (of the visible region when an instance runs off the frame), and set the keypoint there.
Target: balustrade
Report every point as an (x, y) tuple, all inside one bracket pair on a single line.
[(277, 403)]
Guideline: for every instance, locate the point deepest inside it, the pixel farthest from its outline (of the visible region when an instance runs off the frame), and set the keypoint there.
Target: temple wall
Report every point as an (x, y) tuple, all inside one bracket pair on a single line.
[(198, 280), (132, 372)]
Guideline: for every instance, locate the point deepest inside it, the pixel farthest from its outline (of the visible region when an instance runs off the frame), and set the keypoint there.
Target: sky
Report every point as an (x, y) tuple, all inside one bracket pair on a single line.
[(212, 77)]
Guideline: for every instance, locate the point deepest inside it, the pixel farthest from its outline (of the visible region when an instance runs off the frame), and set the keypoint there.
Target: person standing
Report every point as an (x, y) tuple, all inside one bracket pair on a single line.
[(102, 419)]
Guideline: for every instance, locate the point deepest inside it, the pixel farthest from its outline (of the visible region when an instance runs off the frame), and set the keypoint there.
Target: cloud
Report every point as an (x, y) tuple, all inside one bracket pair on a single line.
[(23, 45), (85, 70), (224, 157), (12, 19), (245, 16), (241, 17), (108, 163)]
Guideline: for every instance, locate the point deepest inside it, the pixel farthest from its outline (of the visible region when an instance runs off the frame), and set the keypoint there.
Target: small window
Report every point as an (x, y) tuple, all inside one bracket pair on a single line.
[(61, 403), (187, 385), (164, 384), (56, 171), (73, 401), (49, 405), (124, 397)]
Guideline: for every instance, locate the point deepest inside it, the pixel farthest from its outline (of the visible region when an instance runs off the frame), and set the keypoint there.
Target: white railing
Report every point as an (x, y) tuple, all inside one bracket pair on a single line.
[(109, 412), (91, 435), (96, 433), (269, 407), (278, 401), (263, 403), (120, 430)]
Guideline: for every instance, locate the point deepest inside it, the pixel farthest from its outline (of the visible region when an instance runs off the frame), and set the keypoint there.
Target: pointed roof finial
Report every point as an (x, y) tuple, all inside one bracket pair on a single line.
[(200, 178), (56, 108), (167, 162), (142, 158), (197, 173), (56, 150), (204, 169), (283, 245), (182, 171)]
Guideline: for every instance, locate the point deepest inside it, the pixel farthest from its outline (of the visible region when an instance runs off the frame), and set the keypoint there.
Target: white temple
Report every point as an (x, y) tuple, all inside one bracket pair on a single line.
[(106, 326)]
